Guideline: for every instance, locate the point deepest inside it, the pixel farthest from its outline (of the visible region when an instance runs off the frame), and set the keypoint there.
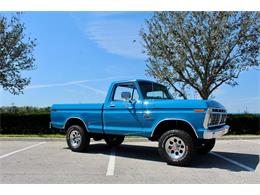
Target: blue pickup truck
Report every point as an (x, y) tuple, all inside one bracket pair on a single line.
[(144, 108)]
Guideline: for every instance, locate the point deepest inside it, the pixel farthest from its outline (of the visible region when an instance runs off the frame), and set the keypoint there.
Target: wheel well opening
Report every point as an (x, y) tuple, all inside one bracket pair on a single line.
[(74, 121), (172, 124)]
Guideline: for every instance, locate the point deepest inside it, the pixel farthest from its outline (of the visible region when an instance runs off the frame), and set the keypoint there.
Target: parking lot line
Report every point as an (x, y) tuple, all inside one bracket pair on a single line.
[(23, 149), (111, 163), (233, 162)]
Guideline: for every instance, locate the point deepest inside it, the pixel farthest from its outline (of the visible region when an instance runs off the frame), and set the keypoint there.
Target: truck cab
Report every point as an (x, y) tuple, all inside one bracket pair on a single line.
[(144, 108)]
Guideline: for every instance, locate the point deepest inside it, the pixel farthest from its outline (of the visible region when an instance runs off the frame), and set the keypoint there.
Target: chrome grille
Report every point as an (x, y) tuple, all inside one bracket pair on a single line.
[(224, 118), (217, 117), (214, 119), (217, 110)]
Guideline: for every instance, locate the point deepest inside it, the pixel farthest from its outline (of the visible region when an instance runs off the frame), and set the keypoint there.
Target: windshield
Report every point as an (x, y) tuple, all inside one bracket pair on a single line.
[(152, 90)]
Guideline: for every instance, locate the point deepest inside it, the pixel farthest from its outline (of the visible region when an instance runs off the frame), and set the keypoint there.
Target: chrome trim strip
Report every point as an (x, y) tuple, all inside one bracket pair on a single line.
[(174, 119), (76, 118), (206, 119)]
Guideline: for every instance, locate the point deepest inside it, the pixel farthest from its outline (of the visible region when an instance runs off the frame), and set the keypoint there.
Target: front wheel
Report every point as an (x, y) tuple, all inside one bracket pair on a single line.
[(114, 140), (77, 138), (176, 147)]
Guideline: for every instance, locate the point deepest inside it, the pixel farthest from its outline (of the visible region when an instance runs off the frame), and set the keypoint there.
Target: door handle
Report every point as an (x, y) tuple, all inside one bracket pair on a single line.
[(112, 105)]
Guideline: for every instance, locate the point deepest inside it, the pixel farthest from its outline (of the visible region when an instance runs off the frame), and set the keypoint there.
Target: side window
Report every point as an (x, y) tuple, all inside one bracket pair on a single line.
[(135, 95), (156, 94), (129, 88)]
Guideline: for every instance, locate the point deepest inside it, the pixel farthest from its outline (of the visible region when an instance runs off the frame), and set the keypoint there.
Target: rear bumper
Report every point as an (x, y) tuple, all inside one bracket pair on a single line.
[(210, 134)]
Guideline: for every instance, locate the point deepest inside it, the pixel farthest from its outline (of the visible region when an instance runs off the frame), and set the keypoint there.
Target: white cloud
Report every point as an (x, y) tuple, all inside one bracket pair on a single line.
[(117, 36), (98, 91), (71, 83)]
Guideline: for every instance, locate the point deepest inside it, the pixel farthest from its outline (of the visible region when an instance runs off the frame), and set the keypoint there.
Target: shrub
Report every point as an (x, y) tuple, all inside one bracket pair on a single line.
[(244, 124), (38, 123), (26, 124)]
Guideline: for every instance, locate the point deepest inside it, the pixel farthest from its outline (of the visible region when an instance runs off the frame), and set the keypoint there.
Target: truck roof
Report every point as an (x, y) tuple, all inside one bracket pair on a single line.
[(133, 80)]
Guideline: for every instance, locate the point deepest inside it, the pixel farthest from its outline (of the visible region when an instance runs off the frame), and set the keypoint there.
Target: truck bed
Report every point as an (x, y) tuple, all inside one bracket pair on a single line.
[(91, 114), (95, 106)]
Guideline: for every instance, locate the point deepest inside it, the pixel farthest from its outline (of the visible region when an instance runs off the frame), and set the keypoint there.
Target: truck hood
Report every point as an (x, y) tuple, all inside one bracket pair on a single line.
[(182, 104), (214, 104)]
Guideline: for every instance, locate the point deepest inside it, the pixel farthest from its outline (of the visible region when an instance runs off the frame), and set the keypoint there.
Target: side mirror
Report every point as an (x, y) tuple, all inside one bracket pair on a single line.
[(126, 95)]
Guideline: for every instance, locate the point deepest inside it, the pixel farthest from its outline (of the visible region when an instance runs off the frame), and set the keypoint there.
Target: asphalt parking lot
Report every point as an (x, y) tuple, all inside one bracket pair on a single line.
[(41, 161)]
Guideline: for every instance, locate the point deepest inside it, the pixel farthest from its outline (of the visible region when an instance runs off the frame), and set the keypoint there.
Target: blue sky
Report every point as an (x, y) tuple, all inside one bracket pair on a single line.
[(80, 53)]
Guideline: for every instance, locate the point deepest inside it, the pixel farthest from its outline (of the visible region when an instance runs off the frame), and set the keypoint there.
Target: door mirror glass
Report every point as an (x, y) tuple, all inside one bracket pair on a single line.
[(126, 95)]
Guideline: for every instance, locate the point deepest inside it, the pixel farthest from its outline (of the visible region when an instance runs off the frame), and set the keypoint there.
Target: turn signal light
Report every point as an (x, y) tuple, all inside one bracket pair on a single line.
[(199, 110)]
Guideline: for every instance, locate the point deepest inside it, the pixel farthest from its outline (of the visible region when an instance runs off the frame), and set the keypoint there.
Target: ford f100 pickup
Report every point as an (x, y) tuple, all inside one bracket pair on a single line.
[(144, 108)]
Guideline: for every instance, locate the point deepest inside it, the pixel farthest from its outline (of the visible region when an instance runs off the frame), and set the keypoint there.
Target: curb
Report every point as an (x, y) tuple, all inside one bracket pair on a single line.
[(32, 139), (239, 137), (229, 137)]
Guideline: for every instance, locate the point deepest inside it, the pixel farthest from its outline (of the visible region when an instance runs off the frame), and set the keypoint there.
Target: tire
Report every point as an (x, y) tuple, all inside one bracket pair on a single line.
[(205, 146), (176, 147), (114, 140), (77, 138)]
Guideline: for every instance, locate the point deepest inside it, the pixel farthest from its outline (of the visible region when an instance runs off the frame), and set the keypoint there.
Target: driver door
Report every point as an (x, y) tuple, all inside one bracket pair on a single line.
[(123, 113)]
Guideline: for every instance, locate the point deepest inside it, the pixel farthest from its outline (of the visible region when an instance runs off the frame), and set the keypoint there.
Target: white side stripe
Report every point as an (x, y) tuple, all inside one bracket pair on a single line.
[(23, 149), (111, 163), (233, 162)]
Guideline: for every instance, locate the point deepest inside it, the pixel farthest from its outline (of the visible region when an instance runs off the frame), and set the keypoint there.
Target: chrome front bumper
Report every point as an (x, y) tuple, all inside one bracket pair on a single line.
[(210, 134)]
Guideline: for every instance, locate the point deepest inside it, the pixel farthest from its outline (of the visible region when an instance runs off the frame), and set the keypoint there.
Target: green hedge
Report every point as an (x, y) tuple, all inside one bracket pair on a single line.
[(39, 124), (244, 124), (26, 124)]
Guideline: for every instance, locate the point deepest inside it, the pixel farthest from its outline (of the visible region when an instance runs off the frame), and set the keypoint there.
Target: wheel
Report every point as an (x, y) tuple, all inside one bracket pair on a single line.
[(77, 138), (205, 146), (176, 147), (114, 140)]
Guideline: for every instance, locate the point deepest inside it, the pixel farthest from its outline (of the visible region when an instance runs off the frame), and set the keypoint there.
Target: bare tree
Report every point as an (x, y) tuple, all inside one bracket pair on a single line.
[(200, 50), (16, 54)]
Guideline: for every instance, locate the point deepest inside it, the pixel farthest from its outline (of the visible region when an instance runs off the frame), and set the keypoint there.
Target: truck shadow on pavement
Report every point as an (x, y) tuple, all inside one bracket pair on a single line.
[(150, 153), (212, 161)]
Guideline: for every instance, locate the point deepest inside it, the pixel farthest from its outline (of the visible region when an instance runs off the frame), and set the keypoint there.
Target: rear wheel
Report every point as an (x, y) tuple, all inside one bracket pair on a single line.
[(176, 147), (205, 146), (114, 140), (77, 138)]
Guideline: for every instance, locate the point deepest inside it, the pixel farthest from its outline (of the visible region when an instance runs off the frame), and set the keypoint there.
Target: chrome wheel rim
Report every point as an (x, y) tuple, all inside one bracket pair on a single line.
[(75, 138), (175, 147)]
